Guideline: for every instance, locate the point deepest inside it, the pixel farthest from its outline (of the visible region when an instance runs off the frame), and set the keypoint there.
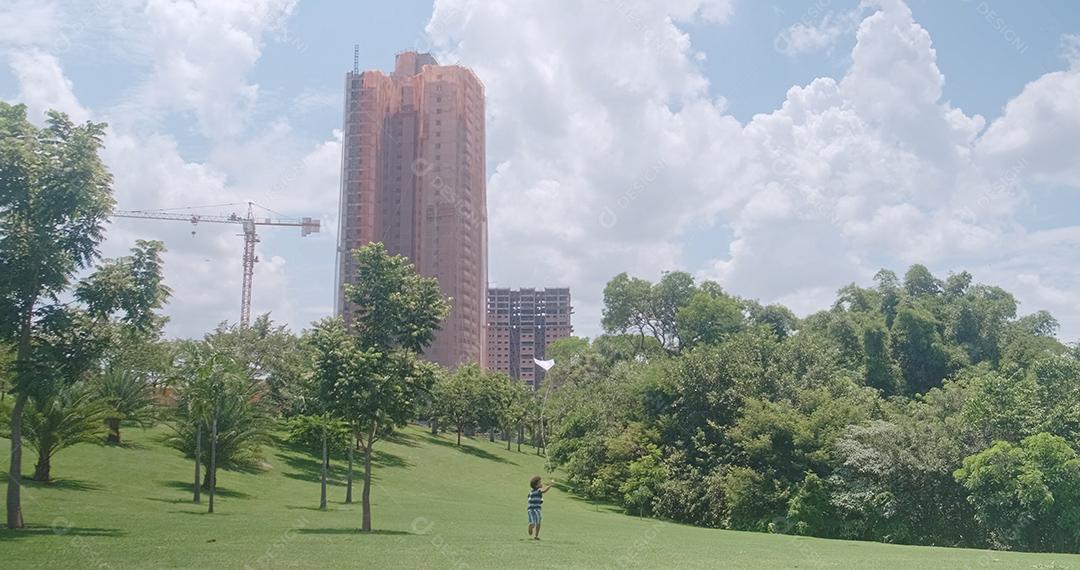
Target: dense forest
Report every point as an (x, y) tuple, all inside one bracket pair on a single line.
[(917, 411)]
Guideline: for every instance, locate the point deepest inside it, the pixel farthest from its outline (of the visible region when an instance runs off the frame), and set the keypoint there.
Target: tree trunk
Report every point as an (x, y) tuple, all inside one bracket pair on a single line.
[(459, 428), (348, 480), (509, 437), (198, 462), (322, 496), (521, 435), (543, 441), (491, 435), (43, 467), (365, 498), (114, 430), (434, 426), (213, 462), (22, 360)]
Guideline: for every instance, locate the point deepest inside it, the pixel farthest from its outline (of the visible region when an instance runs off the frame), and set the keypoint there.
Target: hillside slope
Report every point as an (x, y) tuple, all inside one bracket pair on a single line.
[(435, 505)]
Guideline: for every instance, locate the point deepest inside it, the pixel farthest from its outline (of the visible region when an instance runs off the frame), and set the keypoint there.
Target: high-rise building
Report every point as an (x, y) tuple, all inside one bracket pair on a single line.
[(412, 177), (521, 325)]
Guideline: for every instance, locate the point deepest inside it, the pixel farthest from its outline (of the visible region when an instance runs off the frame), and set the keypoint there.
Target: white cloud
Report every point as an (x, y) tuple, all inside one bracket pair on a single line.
[(202, 56), (43, 86), (808, 35), (28, 22), (1039, 131), (619, 127)]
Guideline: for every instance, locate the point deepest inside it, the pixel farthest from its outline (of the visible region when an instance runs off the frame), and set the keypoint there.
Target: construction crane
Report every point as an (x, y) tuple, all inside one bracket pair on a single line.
[(307, 226)]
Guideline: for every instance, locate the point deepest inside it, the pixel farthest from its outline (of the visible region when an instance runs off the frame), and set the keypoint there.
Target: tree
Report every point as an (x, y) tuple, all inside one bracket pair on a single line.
[(881, 372), (917, 346), (635, 305), (513, 407), (1028, 496), (460, 398), (54, 199), (778, 319), (220, 406), (60, 418), (919, 282), (371, 373), (320, 434), (272, 355), (710, 316), (127, 396)]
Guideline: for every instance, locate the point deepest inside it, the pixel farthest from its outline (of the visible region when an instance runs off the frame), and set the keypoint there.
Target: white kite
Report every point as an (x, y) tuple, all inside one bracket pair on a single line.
[(545, 364)]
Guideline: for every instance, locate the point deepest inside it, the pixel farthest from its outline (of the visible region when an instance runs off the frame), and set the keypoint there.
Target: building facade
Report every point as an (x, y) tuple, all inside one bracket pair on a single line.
[(521, 324), (413, 178)]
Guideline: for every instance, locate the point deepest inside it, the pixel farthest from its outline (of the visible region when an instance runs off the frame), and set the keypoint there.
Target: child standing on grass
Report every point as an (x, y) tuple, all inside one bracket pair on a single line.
[(536, 499)]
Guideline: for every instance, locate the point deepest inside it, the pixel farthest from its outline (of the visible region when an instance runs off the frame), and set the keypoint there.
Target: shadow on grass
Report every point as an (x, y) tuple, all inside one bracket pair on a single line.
[(331, 507), (405, 439), (60, 530), (65, 484), (133, 445), (203, 512), (384, 459), (467, 449), (355, 531), (220, 491), (309, 469)]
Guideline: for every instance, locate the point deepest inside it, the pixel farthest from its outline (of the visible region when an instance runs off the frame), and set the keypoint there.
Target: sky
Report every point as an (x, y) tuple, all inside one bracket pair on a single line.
[(783, 149)]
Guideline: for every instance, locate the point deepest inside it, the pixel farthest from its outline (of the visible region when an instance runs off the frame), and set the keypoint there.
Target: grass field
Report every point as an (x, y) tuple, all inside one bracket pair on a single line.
[(435, 505)]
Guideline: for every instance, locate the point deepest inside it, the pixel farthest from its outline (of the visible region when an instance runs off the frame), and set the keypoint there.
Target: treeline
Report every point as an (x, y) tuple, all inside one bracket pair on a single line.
[(917, 411)]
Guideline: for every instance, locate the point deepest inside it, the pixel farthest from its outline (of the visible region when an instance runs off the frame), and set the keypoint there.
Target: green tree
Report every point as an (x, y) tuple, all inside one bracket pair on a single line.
[(61, 417), (320, 435), (633, 305), (54, 200), (371, 374), (461, 398), (272, 356), (127, 397), (710, 316), (1028, 496), (778, 319), (221, 418), (882, 372), (513, 407), (917, 346), (919, 282)]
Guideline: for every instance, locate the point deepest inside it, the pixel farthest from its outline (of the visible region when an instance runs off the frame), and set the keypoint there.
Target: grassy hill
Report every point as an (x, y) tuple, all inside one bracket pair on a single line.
[(435, 505)]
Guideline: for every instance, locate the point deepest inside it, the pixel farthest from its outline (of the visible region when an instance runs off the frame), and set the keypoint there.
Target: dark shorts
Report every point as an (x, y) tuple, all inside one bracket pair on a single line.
[(534, 516)]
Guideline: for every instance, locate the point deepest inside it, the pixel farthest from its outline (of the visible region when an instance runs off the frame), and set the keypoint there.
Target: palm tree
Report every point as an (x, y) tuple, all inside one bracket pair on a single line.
[(60, 418), (128, 397), (217, 398)]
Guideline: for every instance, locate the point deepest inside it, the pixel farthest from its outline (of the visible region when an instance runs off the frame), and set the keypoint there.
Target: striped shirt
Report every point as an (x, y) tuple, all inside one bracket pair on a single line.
[(536, 498)]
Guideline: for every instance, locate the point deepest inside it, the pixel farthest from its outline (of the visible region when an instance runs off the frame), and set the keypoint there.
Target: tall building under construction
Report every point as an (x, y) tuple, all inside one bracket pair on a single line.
[(521, 324), (413, 178)]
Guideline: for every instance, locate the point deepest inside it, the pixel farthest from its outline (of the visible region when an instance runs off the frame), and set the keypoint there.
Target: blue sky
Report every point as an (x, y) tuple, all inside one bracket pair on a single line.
[(622, 135)]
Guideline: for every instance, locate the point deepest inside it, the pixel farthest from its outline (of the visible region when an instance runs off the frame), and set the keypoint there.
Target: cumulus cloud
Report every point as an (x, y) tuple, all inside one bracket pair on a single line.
[(43, 86), (202, 56), (609, 150)]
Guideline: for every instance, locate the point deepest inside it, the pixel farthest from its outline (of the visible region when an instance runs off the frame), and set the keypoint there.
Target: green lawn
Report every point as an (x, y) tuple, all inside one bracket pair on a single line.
[(435, 505)]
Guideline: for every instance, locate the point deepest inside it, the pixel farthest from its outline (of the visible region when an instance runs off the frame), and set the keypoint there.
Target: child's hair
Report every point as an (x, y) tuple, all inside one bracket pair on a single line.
[(534, 482)]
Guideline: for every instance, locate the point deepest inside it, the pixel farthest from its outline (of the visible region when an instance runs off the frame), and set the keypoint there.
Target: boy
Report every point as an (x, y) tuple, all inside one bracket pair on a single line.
[(536, 498)]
